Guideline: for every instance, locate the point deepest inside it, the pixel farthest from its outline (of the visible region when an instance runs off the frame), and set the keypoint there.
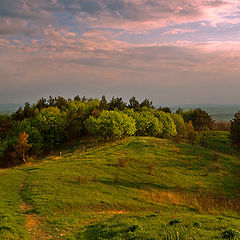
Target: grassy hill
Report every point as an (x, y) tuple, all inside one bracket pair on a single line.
[(137, 188)]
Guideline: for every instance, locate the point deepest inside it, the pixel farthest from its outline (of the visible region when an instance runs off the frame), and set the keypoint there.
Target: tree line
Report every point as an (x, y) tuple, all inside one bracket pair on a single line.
[(41, 127)]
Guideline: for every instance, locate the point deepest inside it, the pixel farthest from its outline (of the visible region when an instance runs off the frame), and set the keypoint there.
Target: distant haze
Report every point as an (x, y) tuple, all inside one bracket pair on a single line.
[(218, 112)]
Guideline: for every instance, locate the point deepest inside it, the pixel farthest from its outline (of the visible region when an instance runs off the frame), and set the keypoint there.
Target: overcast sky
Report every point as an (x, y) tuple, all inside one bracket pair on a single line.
[(171, 51)]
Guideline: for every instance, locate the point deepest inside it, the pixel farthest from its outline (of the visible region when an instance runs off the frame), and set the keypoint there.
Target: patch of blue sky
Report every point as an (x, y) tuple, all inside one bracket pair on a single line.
[(195, 32)]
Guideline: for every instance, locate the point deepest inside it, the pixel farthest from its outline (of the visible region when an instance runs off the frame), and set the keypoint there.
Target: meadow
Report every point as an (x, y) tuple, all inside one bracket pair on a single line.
[(136, 188)]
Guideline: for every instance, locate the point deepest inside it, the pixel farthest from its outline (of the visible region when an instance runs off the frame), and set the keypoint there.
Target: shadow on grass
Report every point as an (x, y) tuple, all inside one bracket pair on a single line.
[(137, 185)]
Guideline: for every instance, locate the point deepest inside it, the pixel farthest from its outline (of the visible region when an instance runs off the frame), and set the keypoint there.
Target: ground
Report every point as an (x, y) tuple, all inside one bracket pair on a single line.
[(136, 188)]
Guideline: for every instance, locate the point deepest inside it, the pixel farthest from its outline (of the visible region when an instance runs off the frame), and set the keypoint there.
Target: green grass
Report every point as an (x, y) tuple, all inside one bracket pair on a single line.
[(217, 140), (12, 220), (137, 188)]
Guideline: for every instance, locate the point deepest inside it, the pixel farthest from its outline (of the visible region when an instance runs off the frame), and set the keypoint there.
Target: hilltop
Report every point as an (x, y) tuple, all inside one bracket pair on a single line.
[(136, 188)]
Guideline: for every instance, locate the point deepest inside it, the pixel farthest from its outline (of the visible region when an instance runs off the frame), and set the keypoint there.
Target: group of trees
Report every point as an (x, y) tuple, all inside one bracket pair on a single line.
[(43, 126), (235, 130)]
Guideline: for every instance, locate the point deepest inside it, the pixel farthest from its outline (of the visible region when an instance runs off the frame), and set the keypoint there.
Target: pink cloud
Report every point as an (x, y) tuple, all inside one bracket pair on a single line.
[(142, 15), (176, 31)]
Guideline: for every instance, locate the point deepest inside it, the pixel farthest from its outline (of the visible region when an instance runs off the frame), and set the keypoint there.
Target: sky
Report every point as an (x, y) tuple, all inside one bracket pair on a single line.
[(172, 52)]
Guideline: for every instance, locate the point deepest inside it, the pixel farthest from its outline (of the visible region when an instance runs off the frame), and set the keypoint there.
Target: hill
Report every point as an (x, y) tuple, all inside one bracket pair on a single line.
[(136, 188)]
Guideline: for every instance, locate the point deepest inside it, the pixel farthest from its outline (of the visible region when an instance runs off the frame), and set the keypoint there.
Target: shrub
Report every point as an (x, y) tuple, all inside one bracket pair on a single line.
[(201, 120), (190, 133), (179, 123), (230, 234), (147, 124), (51, 124), (169, 127), (111, 125)]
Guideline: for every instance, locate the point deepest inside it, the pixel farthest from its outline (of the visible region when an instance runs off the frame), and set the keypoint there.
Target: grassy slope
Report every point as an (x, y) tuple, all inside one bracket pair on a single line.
[(88, 195)]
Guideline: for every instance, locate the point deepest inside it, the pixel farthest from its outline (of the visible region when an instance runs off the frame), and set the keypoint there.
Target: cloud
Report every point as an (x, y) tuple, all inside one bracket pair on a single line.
[(176, 31), (128, 15), (80, 42)]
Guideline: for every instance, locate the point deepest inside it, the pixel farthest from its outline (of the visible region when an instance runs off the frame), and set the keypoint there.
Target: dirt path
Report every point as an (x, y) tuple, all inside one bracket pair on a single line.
[(33, 221)]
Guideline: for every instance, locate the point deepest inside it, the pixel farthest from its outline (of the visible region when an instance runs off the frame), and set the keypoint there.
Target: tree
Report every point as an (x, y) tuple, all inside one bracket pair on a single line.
[(111, 125), (18, 115), (60, 102), (201, 120), (31, 127), (179, 111), (169, 128), (84, 99), (179, 123), (146, 103), (51, 123), (190, 133), (6, 125), (22, 146), (77, 98), (103, 105), (41, 103), (165, 109), (51, 101), (134, 104), (117, 103), (147, 124), (235, 130), (28, 110)]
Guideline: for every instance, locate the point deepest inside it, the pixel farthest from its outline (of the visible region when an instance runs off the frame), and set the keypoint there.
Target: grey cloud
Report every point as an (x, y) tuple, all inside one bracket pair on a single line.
[(106, 13)]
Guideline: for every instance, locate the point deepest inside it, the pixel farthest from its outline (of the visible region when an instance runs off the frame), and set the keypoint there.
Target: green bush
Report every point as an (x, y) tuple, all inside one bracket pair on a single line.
[(179, 123), (230, 234), (51, 123), (111, 125), (147, 124), (169, 127)]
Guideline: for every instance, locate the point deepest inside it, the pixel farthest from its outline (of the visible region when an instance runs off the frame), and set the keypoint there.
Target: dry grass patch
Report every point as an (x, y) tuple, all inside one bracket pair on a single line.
[(202, 201)]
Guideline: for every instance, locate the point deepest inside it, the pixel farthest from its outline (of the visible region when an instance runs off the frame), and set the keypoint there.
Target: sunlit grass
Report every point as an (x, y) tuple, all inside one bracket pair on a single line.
[(102, 192)]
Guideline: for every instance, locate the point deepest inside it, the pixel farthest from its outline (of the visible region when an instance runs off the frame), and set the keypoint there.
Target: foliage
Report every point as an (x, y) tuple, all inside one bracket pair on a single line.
[(103, 104), (179, 123), (201, 120), (190, 133), (77, 113), (147, 124), (222, 126), (230, 234), (146, 103), (187, 115), (111, 125), (134, 104), (30, 126), (169, 128), (56, 121), (235, 130), (6, 125), (22, 147), (165, 109), (51, 124), (117, 103)]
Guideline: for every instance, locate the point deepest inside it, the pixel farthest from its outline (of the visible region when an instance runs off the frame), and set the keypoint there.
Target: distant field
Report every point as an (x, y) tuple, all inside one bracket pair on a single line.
[(138, 188)]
